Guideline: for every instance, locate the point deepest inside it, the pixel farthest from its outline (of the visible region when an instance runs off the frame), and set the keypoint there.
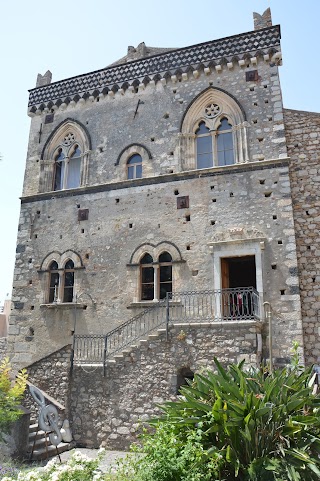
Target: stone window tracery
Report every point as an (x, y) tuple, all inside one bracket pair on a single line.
[(213, 132), (65, 162)]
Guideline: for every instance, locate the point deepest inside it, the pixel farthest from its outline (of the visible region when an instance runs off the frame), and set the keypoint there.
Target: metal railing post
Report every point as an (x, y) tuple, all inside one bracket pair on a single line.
[(167, 315), (105, 355)]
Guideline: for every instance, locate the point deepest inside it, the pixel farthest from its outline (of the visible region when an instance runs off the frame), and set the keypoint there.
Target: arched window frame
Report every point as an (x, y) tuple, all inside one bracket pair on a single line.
[(197, 111), (61, 283), (134, 167), (213, 154), (122, 162), (65, 140), (159, 281)]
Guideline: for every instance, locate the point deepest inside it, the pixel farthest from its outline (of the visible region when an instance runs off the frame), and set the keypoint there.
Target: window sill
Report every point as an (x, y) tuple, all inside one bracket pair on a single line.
[(146, 304), (64, 305)]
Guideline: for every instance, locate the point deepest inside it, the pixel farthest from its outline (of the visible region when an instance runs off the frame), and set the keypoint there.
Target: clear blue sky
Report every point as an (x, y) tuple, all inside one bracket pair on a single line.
[(73, 37)]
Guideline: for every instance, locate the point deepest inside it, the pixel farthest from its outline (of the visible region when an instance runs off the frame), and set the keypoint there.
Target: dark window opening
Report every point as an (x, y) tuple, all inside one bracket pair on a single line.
[(147, 278), (184, 378), (165, 268), (53, 282), (135, 167), (68, 282)]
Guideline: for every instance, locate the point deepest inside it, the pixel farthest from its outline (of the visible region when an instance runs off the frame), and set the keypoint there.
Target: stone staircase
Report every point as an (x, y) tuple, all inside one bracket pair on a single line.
[(40, 446)]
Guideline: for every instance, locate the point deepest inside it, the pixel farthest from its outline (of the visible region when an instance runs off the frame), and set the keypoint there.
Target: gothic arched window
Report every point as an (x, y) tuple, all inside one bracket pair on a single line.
[(225, 151), (214, 147), (53, 282), (68, 281), (204, 147), (147, 278), (156, 277), (67, 172), (165, 274), (134, 166)]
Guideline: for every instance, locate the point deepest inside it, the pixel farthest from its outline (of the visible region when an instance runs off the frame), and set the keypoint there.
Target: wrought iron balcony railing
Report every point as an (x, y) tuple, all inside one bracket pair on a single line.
[(223, 305)]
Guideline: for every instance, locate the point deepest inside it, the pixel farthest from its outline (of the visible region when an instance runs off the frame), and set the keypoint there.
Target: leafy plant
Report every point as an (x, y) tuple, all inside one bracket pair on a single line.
[(262, 425), (11, 393)]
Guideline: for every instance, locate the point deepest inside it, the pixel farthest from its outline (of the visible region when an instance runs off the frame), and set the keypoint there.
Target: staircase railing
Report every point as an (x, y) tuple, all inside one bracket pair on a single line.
[(237, 304)]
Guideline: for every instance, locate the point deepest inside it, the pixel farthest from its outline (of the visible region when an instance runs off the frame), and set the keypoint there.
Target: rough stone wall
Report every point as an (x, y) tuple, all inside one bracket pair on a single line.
[(3, 347), (251, 198), (303, 139), (51, 375), (113, 125), (107, 410), (246, 199)]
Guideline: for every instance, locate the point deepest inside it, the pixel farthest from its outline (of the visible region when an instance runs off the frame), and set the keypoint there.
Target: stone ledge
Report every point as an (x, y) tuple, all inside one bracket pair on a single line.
[(64, 305)]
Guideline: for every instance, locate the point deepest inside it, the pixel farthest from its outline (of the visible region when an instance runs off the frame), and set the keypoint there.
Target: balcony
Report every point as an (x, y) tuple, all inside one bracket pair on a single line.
[(225, 305)]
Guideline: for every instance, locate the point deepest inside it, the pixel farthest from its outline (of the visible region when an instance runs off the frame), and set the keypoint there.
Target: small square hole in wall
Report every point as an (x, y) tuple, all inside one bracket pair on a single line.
[(117, 201), (274, 266), (255, 104), (60, 236), (212, 222), (260, 139), (262, 181), (30, 260), (30, 282), (307, 212), (275, 182), (255, 121), (188, 247), (251, 89), (38, 212), (282, 292), (166, 115), (313, 279), (211, 187), (31, 308), (280, 242), (270, 118), (266, 101), (195, 272), (268, 194), (183, 202), (174, 91), (214, 200), (130, 226), (265, 86), (78, 206), (188, 218), (231, 194), (176, 192), (308, 248), (87, 256), (36, 236), (158, 226), (152, 139), (274, 217), (82, 231)]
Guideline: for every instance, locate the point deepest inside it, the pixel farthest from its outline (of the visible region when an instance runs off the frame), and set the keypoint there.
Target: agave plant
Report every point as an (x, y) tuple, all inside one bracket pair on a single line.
[(265, 426)]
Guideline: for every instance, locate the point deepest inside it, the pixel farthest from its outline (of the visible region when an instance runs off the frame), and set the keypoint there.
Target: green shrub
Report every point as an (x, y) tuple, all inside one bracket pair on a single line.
[(262, 426), (11, 393)]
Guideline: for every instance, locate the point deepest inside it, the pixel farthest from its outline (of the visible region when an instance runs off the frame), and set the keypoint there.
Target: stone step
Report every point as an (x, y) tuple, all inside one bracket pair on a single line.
[(40, 454), (153, 336), (33, 428), (35, 435)]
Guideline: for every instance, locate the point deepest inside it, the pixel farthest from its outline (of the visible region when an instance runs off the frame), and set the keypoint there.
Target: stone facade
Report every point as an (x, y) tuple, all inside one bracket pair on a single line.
[(89, 219), (109, 410), (303, 140)]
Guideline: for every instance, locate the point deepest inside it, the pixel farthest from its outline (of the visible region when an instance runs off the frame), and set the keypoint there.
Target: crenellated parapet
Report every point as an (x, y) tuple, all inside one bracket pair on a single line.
[(244, 50)]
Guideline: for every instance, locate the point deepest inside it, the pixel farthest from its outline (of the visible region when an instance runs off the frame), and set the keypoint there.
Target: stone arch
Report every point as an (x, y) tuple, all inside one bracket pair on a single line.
[(155, 250), (76, 135), (61, 259), (129, 151), (229, 108)]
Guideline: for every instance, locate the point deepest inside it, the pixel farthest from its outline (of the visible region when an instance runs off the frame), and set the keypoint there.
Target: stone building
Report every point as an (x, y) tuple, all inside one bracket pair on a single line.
[(169, 202)]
